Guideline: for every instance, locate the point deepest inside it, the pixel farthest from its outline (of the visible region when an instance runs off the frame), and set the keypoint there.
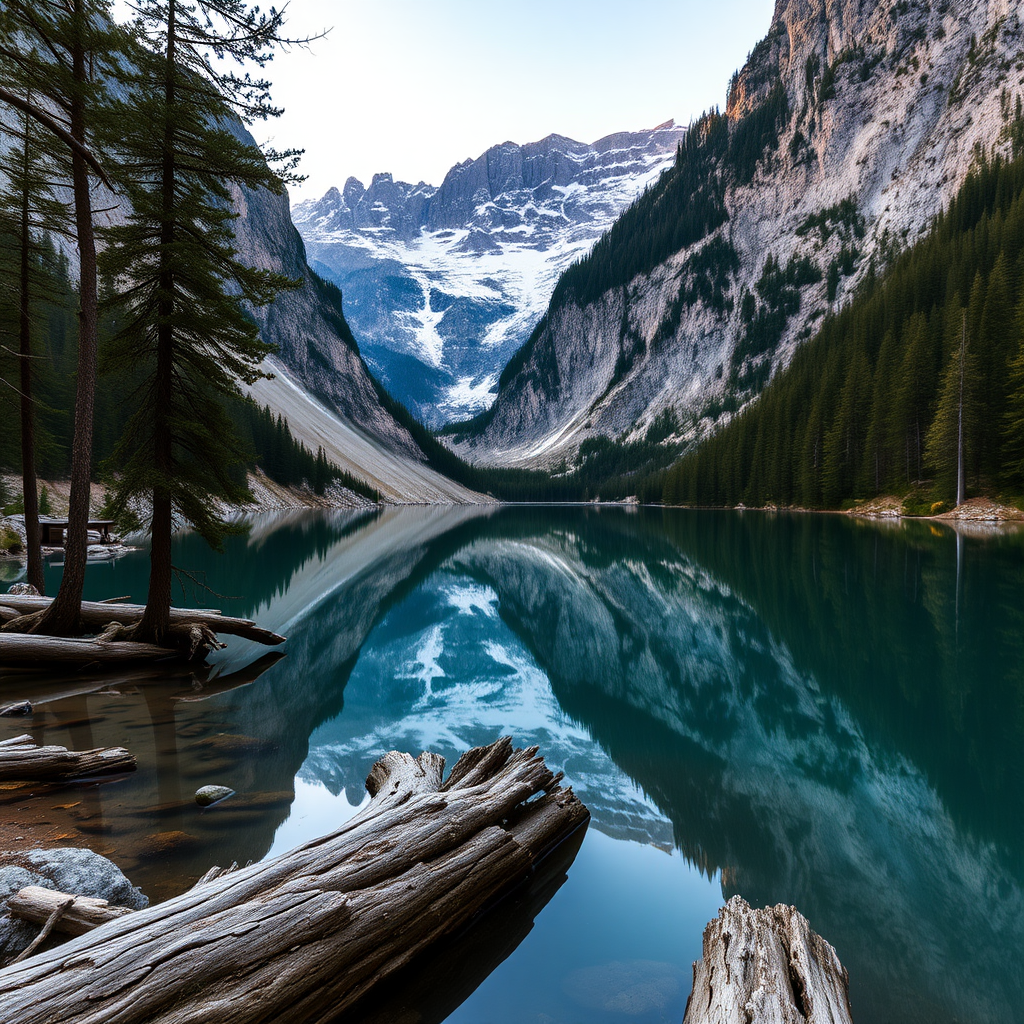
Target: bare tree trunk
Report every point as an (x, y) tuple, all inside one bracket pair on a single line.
[(158, 600), (97, 615), (62, 617), (28, 439), (36, 904), (23, 760)]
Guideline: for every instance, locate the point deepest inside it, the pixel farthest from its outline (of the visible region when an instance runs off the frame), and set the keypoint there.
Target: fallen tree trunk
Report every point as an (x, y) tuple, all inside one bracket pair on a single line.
[(23, 760), (767, 967), (302, 937), (97, 614), (30, 650), (36, 904)]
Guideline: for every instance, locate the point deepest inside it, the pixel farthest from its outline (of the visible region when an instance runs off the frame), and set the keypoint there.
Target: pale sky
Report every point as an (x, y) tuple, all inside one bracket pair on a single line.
[(414, 86)]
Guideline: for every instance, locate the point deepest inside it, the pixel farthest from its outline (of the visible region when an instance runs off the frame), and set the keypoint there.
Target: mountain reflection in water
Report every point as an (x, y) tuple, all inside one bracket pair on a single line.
[(812, 710)]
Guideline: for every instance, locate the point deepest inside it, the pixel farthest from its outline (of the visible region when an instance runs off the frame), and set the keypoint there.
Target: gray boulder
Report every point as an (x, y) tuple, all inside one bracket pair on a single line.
[(67, 869)]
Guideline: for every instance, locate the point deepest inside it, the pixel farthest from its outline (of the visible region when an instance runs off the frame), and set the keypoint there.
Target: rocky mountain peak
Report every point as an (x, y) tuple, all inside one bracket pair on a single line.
[(851, 125), (442, 284)]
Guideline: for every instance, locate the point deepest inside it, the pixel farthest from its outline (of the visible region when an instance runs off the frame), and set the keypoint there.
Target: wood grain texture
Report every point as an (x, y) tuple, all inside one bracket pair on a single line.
[(23, 760), (302, 937), (766, 967), (36, 904), (99, 614)]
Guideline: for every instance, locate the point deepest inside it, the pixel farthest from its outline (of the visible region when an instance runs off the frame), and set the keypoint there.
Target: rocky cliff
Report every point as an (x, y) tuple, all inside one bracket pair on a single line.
[(846, 132), (321, 384), (443, 284)]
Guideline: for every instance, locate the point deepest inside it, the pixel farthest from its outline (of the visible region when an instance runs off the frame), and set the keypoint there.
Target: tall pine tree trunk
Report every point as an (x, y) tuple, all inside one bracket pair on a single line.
[(28, 440), (157, 618), (62, 616)]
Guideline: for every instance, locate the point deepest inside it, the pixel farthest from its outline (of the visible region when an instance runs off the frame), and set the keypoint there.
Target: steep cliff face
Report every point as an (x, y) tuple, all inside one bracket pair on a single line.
[(443, 284), (306, 324), (322, 386), (851, 125)]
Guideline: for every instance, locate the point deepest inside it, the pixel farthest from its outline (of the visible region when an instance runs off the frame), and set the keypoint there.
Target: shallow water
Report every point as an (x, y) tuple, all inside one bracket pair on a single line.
[(799, 709)]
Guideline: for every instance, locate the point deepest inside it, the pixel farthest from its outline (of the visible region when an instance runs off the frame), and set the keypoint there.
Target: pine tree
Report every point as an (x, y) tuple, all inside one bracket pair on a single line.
[(1013, 427), (952, 438), (184, 293), (66, 52), (28, 171)]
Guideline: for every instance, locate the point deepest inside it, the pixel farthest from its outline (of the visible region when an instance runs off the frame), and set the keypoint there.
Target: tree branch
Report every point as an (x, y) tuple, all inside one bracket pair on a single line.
[(6, 96)]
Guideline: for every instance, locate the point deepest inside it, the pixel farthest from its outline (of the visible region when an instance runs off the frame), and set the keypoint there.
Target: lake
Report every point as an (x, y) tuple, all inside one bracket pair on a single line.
[(800, 709)]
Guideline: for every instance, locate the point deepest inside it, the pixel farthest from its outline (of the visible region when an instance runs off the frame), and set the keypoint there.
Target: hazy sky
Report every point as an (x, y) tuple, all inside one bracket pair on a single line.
[(414, 86)]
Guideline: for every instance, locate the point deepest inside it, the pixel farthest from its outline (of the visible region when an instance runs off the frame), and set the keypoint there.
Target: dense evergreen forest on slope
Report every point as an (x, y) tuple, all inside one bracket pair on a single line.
[(871, 404), (265, 441)]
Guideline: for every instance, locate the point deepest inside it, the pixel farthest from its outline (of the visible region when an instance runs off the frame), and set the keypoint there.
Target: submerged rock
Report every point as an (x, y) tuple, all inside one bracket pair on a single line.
[(66, 869), (207, 795)]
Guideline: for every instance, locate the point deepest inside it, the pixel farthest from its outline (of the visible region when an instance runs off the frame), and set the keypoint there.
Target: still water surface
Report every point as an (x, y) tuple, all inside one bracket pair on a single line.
[(798, 709)]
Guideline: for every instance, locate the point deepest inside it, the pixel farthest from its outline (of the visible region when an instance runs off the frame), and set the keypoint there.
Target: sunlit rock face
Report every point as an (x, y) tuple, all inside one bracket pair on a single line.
[(885, 106), (444, 283)]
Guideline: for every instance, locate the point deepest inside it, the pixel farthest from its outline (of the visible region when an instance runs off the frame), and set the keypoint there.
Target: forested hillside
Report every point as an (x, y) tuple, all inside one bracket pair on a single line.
[(264, 440), (871, 405), (846, 132)]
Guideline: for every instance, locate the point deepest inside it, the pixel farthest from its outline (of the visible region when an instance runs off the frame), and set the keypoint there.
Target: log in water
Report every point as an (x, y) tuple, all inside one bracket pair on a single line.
[(766, 967), (99, 614), (23, 760), (304, 936)]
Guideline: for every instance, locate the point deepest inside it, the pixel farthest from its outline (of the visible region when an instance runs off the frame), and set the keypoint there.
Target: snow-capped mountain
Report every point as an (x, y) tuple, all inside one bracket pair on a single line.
[(443, 284), (849, 128)]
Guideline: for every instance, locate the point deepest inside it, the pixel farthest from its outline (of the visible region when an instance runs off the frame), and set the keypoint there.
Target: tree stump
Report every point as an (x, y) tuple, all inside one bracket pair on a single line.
[(304, 936), (766, 967)]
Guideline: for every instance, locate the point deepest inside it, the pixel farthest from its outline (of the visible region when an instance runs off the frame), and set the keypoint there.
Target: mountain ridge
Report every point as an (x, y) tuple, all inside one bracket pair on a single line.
[(454, 276), (845, 133)]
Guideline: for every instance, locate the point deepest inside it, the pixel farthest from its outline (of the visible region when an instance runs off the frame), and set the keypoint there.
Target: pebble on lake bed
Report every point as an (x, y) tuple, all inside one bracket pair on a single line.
[(207, 795)]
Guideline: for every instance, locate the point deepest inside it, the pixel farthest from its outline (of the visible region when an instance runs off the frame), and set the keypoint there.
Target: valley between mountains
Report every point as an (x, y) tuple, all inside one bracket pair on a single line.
[(588, 314)]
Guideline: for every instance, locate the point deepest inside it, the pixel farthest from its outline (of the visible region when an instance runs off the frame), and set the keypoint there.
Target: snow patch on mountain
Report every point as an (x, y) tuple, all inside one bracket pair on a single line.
[(443, 284)]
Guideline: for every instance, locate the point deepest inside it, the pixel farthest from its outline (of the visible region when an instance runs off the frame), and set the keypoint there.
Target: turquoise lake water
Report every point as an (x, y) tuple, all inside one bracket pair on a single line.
[(801, 709)]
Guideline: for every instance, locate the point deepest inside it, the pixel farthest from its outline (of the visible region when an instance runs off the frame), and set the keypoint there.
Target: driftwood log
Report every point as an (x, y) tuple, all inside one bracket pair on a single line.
[(82, 913), (301, 938), (766, 967), (32, 651), (98, 614), (23, 760)]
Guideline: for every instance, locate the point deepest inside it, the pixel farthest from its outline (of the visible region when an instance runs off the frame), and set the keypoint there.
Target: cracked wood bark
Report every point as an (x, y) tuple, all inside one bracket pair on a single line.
[(27, 649), (302, 937), (36, 904), (766, 967), (98, 614), (23, 760)]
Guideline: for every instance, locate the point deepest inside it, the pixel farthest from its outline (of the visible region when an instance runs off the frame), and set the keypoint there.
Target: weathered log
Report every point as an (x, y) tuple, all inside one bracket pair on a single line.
[(98, 614), (37, 651), (51, 922), (767, 967), (8, 614), (36, 904), (23, 760), (302, 937)]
